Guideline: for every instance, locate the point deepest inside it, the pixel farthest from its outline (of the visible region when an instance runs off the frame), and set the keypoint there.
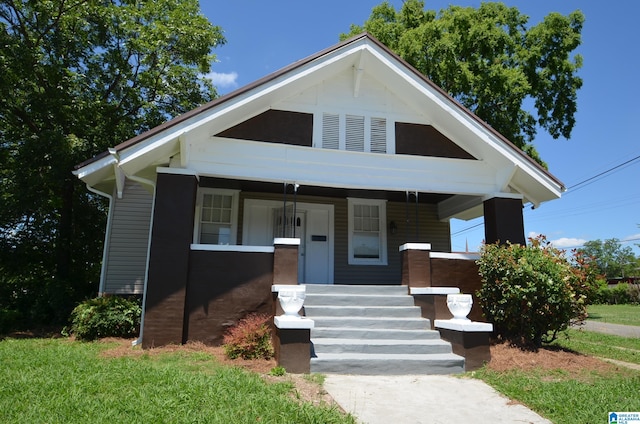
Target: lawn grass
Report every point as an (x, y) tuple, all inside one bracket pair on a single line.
[(569, 399), (615, 314), (62, 381), (601, 345), (580, 398)]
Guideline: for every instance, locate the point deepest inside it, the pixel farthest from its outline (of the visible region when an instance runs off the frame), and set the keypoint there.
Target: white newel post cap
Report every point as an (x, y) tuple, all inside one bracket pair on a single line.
[(414, 246), (285, 322), (434, 290), (464, 326)]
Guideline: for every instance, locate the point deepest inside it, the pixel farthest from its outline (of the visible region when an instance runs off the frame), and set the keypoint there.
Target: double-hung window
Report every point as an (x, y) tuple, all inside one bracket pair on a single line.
[(367, 232), (216, 216)]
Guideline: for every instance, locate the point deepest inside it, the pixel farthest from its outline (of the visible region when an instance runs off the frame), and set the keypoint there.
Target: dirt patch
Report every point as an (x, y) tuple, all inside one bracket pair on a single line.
[(505, 358)]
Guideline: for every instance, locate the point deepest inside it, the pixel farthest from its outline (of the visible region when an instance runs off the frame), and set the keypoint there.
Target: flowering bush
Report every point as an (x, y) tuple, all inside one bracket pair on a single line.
[(530, 293), (250, 338)]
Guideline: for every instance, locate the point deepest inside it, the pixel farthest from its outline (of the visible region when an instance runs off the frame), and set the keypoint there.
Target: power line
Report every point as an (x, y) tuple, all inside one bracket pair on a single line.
[(603, 173), (573, 188)]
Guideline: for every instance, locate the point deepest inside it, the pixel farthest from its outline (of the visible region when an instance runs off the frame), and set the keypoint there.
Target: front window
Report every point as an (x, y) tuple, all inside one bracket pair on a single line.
[(367, 232), (217, 212)]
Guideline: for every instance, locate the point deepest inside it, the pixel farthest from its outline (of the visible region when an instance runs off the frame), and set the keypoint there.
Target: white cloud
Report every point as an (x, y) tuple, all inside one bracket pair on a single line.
[(632, 237), (532, 234), (223, 80), (568, 242)]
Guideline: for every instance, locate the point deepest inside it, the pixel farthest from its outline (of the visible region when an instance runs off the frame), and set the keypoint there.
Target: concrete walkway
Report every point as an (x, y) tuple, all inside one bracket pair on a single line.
[(615, 329), (424, 399), (434, 399)]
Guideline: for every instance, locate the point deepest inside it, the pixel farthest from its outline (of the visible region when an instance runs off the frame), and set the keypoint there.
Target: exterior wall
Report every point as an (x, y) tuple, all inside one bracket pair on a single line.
[(222, 288), (128, 243), (430, 230)]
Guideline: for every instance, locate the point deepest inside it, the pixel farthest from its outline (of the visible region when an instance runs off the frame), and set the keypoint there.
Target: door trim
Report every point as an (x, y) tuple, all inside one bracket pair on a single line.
[(300, 207)]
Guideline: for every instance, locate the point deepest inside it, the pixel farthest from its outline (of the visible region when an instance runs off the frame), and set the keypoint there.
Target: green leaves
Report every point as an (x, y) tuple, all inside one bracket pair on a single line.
[(107, 316), (77, 77), (530, 293), (489, 60)]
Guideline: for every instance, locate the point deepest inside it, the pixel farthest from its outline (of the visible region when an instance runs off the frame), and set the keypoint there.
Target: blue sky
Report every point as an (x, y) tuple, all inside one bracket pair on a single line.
[(263, 37)]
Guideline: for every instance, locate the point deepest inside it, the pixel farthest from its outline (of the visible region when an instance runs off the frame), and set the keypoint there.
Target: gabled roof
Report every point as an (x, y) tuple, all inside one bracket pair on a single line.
[(522, 175)]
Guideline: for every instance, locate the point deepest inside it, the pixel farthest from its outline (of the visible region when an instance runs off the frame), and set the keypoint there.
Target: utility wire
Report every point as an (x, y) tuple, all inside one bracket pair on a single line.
[(574, 187), (603, 173)]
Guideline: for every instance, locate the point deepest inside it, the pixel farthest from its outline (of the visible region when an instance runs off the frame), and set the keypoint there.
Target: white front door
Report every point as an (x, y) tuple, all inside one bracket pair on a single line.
[(317, 247), (313, 226)]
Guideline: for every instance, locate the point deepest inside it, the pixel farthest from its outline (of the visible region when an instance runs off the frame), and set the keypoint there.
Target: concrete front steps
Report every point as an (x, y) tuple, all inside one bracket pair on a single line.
[(374, 330)]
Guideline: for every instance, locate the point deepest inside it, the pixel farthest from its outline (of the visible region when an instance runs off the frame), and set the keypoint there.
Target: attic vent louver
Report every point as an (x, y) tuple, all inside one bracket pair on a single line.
[(378, 135), (355, 133), (330, 131)]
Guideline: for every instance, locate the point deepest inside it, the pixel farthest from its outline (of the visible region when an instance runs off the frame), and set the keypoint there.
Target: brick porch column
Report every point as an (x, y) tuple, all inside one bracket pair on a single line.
[(416, 264), (503, 221), (285, 266), (172, 235)]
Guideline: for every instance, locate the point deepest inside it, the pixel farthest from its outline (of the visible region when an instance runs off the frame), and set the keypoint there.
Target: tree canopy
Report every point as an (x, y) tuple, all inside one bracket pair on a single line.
[(491, 62), (78, 76), (610, 258)]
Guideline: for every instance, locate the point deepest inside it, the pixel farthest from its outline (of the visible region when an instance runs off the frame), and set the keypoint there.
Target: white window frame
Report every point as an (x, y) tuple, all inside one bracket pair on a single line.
[(235, 195), (382, 209)]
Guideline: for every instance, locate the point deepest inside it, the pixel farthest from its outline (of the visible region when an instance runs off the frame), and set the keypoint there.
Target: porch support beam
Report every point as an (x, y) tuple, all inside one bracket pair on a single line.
[(172, 234), (503, 221)]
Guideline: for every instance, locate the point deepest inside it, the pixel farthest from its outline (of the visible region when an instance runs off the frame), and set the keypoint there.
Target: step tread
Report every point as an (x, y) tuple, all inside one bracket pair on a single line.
[(387, 356), (387, 342)]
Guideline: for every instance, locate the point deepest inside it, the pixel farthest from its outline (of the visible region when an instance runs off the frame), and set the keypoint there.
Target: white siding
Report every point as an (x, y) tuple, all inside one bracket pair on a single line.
[(128, 241)]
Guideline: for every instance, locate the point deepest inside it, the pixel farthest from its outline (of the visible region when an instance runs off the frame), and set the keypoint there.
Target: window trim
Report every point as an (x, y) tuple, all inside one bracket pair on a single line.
[(235, 195), (382, 204)]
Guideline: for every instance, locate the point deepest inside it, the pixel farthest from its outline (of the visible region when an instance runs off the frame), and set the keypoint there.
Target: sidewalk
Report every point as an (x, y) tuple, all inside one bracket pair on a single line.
[(615, 329), (424, 399)]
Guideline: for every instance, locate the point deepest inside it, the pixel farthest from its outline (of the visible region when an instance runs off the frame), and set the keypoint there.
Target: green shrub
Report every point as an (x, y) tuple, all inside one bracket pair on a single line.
[(620, 294), (530, 293), (250, 338), (278, 371), (106, 316)]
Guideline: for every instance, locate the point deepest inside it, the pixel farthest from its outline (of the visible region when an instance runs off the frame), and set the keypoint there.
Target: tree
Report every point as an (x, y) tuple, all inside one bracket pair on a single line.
[(78, 76), (610, 258), (491, 62)]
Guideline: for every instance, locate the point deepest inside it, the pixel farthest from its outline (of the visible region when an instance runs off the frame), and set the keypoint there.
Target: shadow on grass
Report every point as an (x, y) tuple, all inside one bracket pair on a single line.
[(53, 332)]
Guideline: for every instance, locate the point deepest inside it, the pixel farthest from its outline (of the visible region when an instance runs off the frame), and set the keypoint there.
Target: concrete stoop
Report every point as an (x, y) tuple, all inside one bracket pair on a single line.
[(374, 330)]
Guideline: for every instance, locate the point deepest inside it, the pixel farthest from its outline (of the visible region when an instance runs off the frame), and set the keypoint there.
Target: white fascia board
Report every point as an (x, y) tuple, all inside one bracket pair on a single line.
[(498, 148), (94, 167), (249, 160)]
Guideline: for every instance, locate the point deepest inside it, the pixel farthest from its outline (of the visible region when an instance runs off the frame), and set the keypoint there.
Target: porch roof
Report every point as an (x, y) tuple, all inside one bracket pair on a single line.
[(502, 168)]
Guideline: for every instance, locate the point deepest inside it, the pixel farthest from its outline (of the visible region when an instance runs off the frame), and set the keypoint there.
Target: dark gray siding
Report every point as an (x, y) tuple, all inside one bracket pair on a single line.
[(431, 230), (128, 241)]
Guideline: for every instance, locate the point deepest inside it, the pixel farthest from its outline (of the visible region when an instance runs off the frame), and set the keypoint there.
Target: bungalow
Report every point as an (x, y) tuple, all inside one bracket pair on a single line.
[(351, 151)]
